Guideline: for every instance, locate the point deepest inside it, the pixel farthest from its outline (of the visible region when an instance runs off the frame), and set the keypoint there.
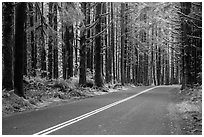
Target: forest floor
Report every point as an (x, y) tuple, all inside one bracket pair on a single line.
[(41, 93), (188, 110)]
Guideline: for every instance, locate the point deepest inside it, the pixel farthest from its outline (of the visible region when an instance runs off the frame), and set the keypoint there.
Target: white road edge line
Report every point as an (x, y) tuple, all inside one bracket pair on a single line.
[(86, 115)]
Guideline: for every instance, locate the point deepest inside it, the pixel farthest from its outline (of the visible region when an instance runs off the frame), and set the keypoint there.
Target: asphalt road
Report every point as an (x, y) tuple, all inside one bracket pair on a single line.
[(138, 114)]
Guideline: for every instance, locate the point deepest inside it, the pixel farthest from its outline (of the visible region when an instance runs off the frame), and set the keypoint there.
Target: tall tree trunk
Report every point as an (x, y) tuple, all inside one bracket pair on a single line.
[(113, 42), (55, 51), (97, 59), (25, 50), (76, 50), (184, 76), (172, 66), (122, 44), (136, 66), (163, 69), (19, 46), (146, 69), (167, 66), (36, 39), (116, 53), (177, 75), (65, 52), (92, 48), (117, 46), (185, 9), (50, 42), (89, 47), (70, 52), (7, 47), (110, 40), (127, 46), (159, 66), (43, 52), (32, 41), (107, 44), (82, 67), (103, 5)]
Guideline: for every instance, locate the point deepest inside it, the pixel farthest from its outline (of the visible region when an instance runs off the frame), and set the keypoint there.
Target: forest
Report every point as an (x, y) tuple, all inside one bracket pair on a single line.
[(48, 45)]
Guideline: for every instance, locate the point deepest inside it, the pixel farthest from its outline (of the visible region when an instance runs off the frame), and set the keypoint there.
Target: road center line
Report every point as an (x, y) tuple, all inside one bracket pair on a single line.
[(86, 115)]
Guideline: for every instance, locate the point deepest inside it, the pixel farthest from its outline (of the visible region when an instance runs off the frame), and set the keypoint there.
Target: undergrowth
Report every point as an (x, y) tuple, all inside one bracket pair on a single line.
[(191, 110), (41, 90)]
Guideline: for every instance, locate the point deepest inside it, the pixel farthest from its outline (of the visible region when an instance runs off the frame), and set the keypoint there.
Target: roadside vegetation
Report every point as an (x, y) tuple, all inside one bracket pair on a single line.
[(42, 92), (190, 110)]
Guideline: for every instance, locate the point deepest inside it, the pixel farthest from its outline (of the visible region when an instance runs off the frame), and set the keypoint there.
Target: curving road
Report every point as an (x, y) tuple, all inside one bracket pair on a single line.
[(136, 111)]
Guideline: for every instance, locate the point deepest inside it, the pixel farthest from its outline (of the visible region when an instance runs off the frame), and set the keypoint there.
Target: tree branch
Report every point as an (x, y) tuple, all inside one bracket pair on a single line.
[(104, 14), (101, 31), (195, 3), (189, 17), (92, 25), (194, 37), (200, 28)]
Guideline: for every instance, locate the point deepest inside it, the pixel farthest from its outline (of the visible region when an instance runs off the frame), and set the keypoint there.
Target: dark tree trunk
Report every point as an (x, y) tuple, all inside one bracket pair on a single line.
[(70, 52), (153, 79), (177, 71), (55, 62), (146, 69), (141, 69), (82, 68), (125, 58), (159, 67), (50, 58), (103, 36), (154, 64), (7, 47), (66, 53), (19, 46), (64, 50), (185, 8), (43, 52), (107, 77), (172, 67), (97, 59), (55, 51), (50, 42), (136, 67)]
